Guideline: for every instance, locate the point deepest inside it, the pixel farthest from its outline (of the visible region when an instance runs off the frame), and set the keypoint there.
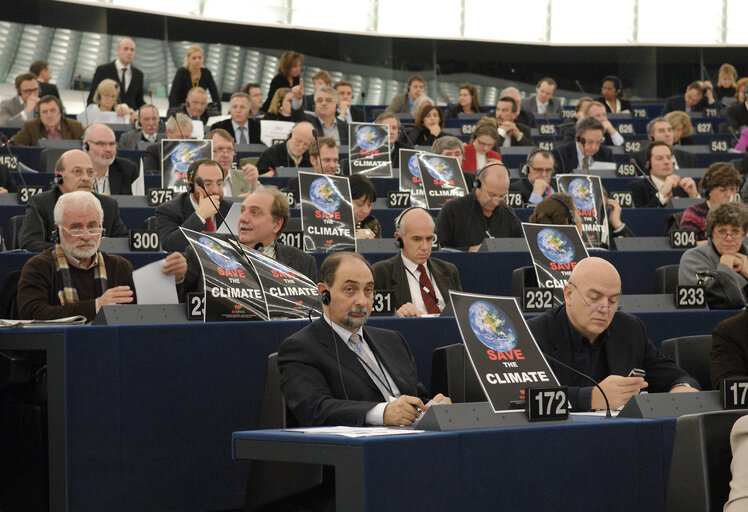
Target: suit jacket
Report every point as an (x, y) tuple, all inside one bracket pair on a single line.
[(526, 118), (390, 274), (133, 96), (253, 127), (10, 109), (36, 233), (524, 187), (526, 139), (277, 156), (737, 116), (678, 102), (6, 180), (626, 346), (180, 212), (311, 376), (644, 194), (738, 467), (469, 160), (298, 115), (530, 105), (358, 115), (47, 88), (730, 349), (33, 130), (685, 159), (625, 104), (567, 159), (400, 104), (122, 173), (129, 140)]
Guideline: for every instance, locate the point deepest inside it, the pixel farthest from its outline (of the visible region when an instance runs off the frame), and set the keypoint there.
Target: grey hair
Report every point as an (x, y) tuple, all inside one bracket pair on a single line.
[(328, 90), (79, 198), (181, 119)]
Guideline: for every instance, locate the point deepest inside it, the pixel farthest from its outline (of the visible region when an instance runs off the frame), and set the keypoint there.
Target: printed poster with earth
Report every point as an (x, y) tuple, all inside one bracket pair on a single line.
[(587, 193), (555, 251), (410, 177), (442, 179), (503, 352), (326, 213), (176, 157), (370, 149), (232, 287)]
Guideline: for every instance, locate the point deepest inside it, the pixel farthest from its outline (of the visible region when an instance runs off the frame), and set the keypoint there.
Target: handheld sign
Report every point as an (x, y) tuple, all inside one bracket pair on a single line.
[(410, 177), (442, 179), (273, 131), (326, 213), (370, 149), (176, 157), (502, 351), (587, 193)]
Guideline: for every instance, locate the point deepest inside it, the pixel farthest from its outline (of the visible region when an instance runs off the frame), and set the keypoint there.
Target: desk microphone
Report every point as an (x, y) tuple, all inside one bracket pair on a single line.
[(597, 385), (643, 174), (200, 183), (407, 136), (6, 143), (579, 86)]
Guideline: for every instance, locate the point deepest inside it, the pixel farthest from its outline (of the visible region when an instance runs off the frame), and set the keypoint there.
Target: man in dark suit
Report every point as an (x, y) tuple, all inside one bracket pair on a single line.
[(511, 133), (589, 334), (123, 72), (421, 283), (699, 95), (292, 153), (336, 372), (323, 120), (73, 171), (660, 130), (240, 126), (179, 126), (346, 111), (536, 184), (148, 132), (194, 209), (114, 175), (662, 184), (585, 150), (524, 117), (43, 74)]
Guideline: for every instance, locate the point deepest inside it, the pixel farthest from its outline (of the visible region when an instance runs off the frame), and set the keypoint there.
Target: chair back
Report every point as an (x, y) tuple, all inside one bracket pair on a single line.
[(692, 353)]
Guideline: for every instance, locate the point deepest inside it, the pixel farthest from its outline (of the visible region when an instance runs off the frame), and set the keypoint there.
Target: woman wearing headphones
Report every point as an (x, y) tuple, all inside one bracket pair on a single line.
[(280, 107), (611, 96), (468, 102), (719, 184)]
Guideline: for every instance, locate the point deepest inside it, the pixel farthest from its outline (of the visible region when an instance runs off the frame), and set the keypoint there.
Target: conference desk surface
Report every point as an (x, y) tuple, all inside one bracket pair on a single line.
[(591, 464)]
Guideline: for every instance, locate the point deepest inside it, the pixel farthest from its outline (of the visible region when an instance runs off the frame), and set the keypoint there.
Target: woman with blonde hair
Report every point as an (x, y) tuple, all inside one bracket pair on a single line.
[(280, 106), (726, 80), (289, 75), (682, 127), (193, 74), (105, 108)]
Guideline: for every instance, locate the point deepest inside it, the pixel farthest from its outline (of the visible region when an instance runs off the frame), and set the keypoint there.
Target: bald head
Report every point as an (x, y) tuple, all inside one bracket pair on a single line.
[(416, 231), (592, 296), (126, 51), (76, 170), (304, 130)]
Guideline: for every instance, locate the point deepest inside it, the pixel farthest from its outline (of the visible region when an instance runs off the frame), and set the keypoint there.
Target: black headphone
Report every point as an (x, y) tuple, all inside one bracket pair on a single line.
[(569, 214), (616, 83), (325, 297), (525, 168), (57, 180), (478, 183), (398, 220), (191, 171), (581, 140), (86, 146)]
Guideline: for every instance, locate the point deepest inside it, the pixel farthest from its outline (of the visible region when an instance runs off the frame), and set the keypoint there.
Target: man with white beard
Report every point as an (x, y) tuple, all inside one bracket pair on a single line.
[(73, 277), (114, 174)]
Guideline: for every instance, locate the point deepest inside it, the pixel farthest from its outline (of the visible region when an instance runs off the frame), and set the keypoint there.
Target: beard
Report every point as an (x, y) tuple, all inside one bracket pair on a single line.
[(352, 322), (80, 250)]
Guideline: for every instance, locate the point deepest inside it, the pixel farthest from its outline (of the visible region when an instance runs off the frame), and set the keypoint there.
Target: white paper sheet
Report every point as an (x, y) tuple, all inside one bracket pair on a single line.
[(153, 286)]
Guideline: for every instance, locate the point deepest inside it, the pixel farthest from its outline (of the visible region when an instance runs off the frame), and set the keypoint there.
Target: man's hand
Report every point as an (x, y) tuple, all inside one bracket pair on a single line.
[(343, 107), (403, 411), (669, 184), (408, 310), (439, 399), (510, 128), (608, 127), (474, 248), (618, 390), (298, 90), (205, 208), (615, 213), (3, 190), (540, 186), (708, 90), (175, 265), (31, 103), (683, 389), (689, 185), (116, 295), (251, 174)]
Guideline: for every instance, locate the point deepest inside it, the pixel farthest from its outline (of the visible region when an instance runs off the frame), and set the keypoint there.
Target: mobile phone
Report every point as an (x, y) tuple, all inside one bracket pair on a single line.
[(637, 372)]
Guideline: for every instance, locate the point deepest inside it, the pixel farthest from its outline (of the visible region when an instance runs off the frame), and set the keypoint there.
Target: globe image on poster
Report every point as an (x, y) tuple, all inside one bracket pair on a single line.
[(218, 254), (369, 138), (324, 197), (580, 189), (413, 166), (555, 245), (439, 168), (183, 155), (491, 327)]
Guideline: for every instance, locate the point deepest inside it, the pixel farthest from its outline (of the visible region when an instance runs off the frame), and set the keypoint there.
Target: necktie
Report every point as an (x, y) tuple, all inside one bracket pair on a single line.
[(429, 297), (209, 226), (243, 135), (371, 366), (124, 86), (586, 164)]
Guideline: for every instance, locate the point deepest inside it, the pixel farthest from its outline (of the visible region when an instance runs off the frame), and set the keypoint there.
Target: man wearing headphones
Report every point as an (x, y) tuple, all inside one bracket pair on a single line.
[(194, 209), (662, 184), (403, 103), (421, 283), (335, 371), (114, 175), (49, 125), (660, 130), (464, 223), (699, 95), (535, 184), (585, 150), (73, 171), (543, 102)]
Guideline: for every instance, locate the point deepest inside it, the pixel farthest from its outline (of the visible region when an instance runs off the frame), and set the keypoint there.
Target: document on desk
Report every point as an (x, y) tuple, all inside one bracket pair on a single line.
[(354, 431), (153, 286)]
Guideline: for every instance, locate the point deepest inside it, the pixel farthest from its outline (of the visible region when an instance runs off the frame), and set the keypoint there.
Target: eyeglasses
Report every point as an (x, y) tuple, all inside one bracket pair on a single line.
[(80, 232), (540, 170), (324, 100), (735, 234), (222, 151), (29, 91), (599, 306)]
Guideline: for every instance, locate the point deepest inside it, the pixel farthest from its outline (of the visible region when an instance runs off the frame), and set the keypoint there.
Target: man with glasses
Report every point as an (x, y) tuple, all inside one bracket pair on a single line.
[(535, 185), (238, 182), (21, 107), (583, 152), (114, 175), (591, 334), (73, 171), (74, 277), (292, 153)]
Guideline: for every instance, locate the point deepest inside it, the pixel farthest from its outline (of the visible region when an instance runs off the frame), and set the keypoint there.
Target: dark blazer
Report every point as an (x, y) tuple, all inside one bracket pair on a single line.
[(626, 346), (253, 127), (279, 81), (423, 137), (47, 88), (122, 173), (390, 274), (130, 139), (730, 349), (311, 382), (737, 116), (526, 118), (358, 115), (678, 102), (625, 104), (298, 115), (182, 84), (644, 194), (152, 159), (133, 96), (277, 156), (36, 233), (524, 187), (685, 159), (395, 154), (526, 139), (567, 160), (182, 109), (6, 180), (33, 130), (180, 212)]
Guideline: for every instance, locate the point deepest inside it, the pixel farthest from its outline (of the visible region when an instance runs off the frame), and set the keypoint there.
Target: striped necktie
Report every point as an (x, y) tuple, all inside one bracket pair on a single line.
[(371, 366)]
